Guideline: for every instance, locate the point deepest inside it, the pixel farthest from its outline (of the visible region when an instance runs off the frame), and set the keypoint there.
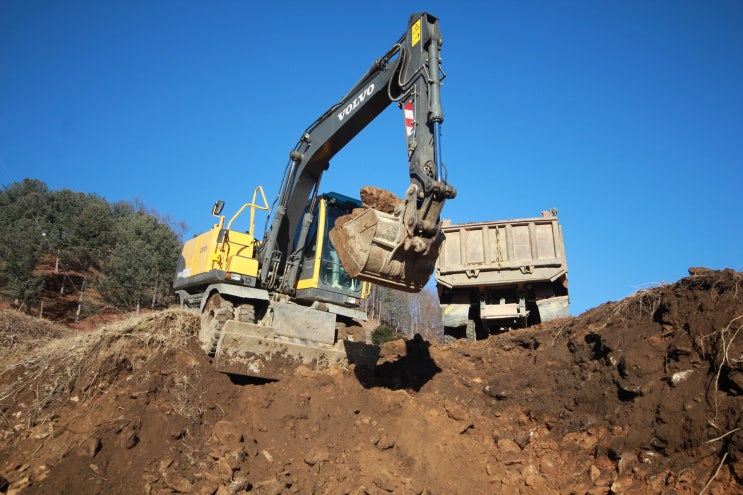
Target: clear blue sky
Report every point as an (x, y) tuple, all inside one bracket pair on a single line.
[(626, 116)]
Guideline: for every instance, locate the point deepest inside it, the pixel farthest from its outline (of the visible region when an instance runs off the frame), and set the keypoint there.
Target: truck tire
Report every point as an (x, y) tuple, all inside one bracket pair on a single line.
[(216, 312), (470, 331)]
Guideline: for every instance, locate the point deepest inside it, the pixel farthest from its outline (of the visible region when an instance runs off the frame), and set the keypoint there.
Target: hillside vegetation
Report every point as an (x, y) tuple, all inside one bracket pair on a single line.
[(66, 255)]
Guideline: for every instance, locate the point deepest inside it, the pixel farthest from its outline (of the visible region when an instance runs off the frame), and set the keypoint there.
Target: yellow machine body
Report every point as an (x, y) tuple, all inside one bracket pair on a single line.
[(221, 253), (253, 330), (229, 251)]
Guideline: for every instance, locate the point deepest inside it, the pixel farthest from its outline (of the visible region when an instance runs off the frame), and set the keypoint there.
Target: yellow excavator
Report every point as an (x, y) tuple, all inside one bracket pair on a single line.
[(290, 299)]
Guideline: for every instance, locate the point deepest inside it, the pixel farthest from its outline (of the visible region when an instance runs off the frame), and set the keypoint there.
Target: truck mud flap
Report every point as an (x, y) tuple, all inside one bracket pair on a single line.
[(455, 315), (255, 350), (375, 247), (553, 308)]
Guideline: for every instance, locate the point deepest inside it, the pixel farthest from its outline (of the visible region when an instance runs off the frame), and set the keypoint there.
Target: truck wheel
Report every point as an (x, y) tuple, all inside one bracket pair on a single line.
[(216, 312), (452, 334), (470, 332)]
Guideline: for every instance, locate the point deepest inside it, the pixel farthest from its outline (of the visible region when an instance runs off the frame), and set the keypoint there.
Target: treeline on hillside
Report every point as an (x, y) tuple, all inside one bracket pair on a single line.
[(64, 243)]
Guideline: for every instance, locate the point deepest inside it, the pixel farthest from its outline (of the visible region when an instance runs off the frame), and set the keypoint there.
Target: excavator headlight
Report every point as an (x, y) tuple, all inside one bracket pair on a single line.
[(353, 300), (233, 276)]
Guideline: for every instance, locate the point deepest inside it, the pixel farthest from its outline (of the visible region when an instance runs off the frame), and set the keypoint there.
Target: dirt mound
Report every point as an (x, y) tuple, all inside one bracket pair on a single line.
[(637, 396)]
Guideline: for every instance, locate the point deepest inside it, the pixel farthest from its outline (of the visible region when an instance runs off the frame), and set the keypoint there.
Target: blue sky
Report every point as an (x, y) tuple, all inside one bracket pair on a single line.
[(626, 116)]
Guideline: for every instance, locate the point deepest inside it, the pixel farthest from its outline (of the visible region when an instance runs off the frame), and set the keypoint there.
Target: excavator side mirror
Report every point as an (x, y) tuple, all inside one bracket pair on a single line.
[(217, 208)]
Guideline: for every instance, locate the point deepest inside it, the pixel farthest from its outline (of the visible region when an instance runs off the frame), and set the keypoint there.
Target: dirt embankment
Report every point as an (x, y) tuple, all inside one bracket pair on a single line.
[(637, 396)]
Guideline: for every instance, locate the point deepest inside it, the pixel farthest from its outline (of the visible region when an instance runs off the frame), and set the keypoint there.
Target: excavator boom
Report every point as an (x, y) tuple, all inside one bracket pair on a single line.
[(396, 249)]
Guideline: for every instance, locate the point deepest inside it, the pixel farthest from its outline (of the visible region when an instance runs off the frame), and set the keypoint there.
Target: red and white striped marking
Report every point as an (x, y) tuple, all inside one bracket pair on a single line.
[(409, 118)]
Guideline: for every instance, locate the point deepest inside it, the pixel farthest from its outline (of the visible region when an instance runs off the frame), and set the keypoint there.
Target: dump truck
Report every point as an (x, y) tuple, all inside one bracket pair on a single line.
[(500, 275), (289, 299)]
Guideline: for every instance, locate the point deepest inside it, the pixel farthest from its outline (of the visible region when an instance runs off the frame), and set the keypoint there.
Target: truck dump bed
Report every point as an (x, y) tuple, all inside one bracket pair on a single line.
[(502, 252)]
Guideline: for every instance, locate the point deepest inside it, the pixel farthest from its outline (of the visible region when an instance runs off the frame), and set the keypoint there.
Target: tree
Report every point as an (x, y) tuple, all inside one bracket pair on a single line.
[(65, 206), (89, 239), (20, 253), (426, 315), (23, 211), (142, 263), (86, 238), (389, 306), (382, 334), (79, 232), (408, 314)]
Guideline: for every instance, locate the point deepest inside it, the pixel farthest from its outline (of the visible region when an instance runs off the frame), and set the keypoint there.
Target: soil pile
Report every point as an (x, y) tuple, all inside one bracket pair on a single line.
[(379, 199), (637, 396)]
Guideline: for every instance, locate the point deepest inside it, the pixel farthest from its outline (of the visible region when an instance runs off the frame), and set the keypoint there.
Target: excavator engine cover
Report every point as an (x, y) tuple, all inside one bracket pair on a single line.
[(376, 247)]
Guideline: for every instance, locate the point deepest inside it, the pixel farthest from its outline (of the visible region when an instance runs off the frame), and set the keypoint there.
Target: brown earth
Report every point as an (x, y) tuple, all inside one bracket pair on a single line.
[(637, 396), (371, 198), (379, 199)]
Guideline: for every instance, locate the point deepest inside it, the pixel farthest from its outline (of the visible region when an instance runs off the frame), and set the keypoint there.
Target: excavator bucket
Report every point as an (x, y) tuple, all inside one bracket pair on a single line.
[(377, 247)]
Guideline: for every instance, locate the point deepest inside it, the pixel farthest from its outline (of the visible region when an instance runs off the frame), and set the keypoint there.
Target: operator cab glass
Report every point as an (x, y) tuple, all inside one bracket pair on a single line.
[(322, 276), (332, 273)]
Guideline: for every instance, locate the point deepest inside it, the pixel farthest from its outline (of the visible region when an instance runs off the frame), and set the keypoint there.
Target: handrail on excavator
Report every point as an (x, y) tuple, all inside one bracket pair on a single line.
[(252, 206)]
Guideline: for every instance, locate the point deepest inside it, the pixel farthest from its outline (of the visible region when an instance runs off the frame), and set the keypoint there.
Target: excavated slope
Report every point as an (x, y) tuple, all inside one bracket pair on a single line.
[(637, 396)]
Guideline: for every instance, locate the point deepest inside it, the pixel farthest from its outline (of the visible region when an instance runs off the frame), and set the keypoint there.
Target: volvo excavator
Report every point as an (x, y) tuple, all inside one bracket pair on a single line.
[(268, 306)]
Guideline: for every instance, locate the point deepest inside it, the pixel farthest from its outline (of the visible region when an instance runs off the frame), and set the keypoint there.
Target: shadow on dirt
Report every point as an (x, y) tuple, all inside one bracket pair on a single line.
[(249, 380), (411, 371)]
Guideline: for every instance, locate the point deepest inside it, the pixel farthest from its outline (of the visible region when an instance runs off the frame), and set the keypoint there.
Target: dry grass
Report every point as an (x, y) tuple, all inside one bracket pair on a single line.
[(565, 323), (642, 302), (726, 338), (63, 364), (20, 333), (714, 475)]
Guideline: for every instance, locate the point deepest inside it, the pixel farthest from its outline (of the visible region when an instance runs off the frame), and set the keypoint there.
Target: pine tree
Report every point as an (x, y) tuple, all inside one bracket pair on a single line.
[(23, 211), (142, 263)]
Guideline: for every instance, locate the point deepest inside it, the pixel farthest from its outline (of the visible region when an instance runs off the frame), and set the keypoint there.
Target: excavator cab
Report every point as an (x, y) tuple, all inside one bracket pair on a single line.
[(322, 277)]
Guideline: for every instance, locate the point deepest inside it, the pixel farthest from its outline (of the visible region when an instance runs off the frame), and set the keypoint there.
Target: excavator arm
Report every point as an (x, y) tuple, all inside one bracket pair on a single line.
[(395, 249)]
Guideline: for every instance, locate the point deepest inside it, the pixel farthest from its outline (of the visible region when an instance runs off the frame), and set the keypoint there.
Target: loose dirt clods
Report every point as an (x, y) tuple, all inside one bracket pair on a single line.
[(637, 396)]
